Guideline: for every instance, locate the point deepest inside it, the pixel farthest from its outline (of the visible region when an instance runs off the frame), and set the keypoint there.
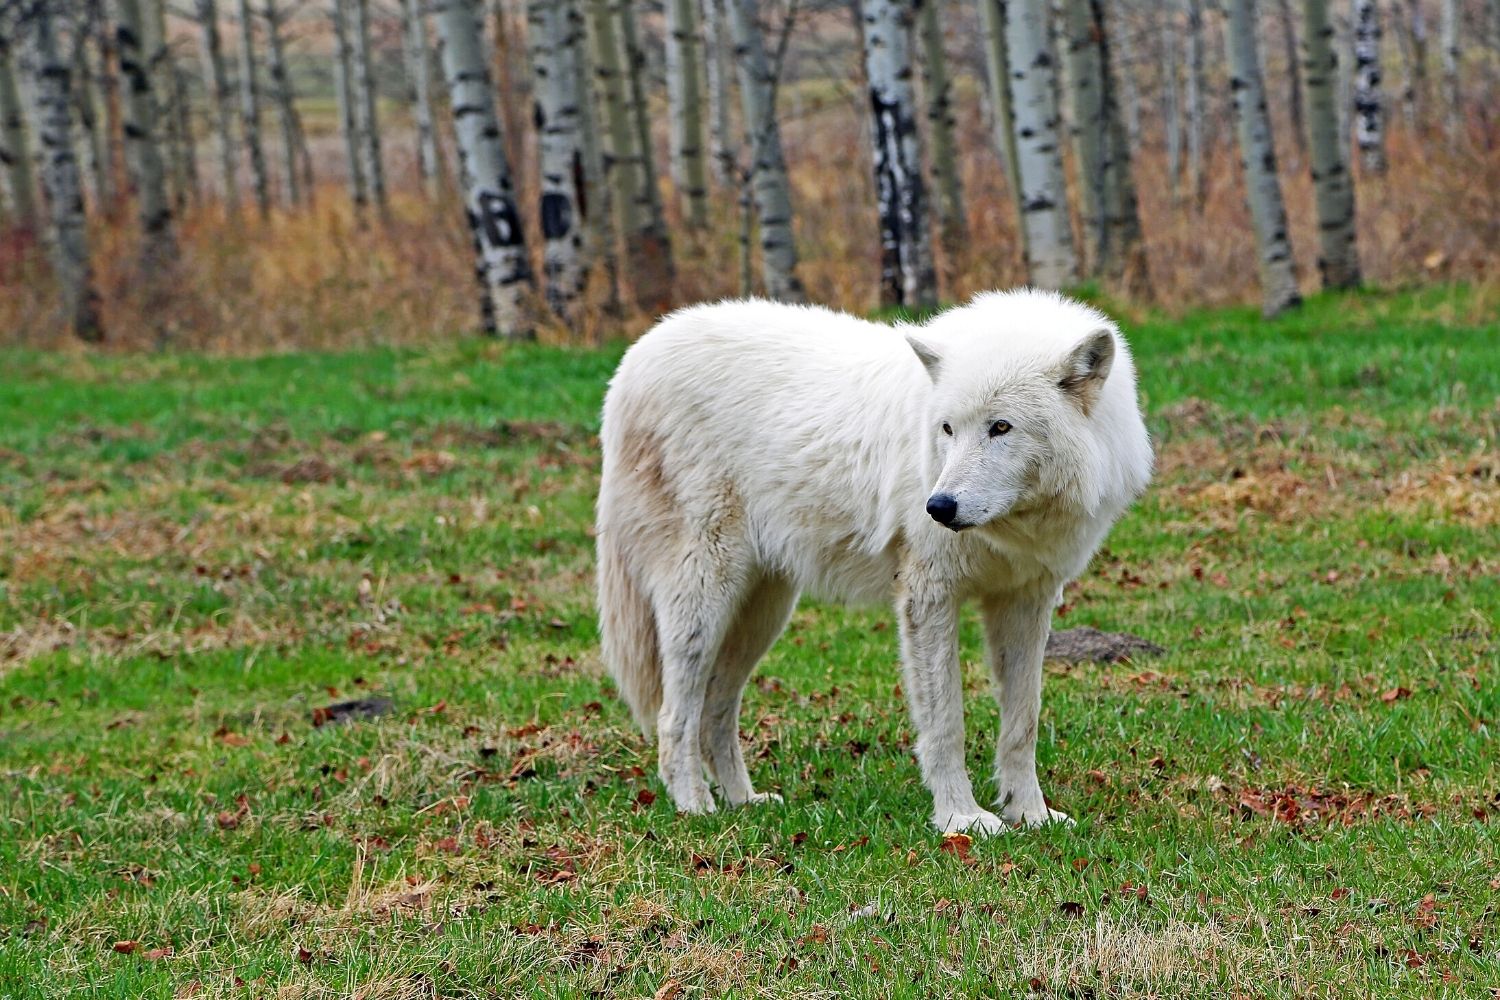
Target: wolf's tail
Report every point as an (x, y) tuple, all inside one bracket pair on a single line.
[(627, 633)]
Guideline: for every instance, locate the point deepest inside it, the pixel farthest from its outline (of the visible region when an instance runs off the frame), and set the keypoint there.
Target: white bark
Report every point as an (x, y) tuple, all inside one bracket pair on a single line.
[(142, 139), (992, 15), (685, 110), (556, 34), (1089, 127), (250, 111), (61, 183), (286, 104), (650, 246), (1050, 261), (345, 90), (489, 196), (15, 150), (1258, 156), (1369, 116), (158, 62), (414, 53), (906, 271), (1171, 100), (1449, 28), (717, 72), (1122, 44), (768, 177), (938, 96), (1194, 92), (367, 125), (1333, 186), (1295, 101), (216, 82), (598, 206), (85, 93)]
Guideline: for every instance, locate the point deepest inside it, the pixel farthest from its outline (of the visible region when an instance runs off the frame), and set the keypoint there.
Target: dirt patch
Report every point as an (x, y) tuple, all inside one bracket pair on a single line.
[(310, 469), (1089, 645)]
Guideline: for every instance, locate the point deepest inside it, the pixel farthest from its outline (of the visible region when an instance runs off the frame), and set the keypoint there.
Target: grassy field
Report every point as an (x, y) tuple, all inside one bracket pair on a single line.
[(201, 560)]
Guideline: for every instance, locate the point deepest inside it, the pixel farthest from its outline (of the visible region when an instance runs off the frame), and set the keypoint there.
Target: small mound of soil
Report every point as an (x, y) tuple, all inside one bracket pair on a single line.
[(1089, 645)]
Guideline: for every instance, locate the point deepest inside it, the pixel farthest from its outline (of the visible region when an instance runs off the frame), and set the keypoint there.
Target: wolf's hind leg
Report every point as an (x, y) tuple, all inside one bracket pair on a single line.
[(761, 618), (691, 621)]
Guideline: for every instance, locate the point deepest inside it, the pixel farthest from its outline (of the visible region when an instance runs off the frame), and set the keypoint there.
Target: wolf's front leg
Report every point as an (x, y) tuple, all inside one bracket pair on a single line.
[(934, 691), (1016, 627)]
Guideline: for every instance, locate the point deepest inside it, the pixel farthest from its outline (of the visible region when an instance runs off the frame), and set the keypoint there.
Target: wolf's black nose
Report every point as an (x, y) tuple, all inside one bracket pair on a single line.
[(943, 508)]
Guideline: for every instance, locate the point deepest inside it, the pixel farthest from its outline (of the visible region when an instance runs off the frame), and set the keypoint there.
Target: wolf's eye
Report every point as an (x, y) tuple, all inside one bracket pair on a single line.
[(999, 427), (947, 430)]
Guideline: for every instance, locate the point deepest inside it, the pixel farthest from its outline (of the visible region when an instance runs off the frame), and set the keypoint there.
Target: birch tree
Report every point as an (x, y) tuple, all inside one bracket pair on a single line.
[(938, 96), (992, 15), (1171, 100), (142, 140), (86, 93), (250, 111), (1333, 187), (367, 125), (1369, 113), (286, 100), (15, 150), (1295, 102), (1050, 261), (768, 177), (216, 82), (489, 197), (1278, 281), (1193, 98), (598, 207), (685, 110), (61, 184), (414, 54), (1448, 28), (717, 73), (650, 246), (906, 271), (556, 37), (344, 88)]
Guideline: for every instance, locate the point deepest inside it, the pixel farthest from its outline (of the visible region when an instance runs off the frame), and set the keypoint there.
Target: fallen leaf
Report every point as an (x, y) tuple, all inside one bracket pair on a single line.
[(126, 947), (957, 844), (1395, 694)]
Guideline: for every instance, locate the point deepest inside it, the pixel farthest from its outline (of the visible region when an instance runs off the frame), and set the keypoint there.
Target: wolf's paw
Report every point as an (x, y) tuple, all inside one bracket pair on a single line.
[(983, 822), (1035, 816), (694, 800), (763, 798)]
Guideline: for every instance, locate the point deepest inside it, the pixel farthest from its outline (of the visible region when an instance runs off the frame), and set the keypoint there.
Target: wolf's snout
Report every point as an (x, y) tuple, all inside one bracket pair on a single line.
[(942, 507)]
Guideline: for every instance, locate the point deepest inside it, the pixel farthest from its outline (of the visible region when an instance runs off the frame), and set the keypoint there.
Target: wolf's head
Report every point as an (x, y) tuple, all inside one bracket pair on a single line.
[(1026, 388)]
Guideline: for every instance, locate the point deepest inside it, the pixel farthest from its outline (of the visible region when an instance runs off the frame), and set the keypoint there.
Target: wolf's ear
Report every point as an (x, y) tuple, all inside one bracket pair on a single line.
[(1085, 368), (926, 354)]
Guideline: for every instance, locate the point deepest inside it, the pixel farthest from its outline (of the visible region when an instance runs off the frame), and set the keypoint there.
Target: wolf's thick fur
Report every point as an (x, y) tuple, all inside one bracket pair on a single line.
[(754, 450)]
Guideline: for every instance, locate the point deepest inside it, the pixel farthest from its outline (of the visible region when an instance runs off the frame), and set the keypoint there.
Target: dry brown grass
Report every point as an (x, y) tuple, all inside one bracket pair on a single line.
[(321, 278)]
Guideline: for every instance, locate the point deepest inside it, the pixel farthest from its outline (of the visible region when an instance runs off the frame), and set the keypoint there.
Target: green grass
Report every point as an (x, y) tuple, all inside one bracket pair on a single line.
[(196, 554)]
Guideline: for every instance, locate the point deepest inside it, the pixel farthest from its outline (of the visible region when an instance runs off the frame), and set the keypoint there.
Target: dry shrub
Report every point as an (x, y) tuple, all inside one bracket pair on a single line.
[(319, 277)]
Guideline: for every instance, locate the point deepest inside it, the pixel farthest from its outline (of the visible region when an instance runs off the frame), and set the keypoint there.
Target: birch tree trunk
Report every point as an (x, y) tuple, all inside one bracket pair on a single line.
[(598, 206), (620, 158), (366, 123), (1089, 126), (489, 198), (907, 276), (414, 51), (157, 61), (1122, 43), (183, 117), (992, 15), (15, 150), (1295, 103), (556, 35), (1369, 117), (768, 177), (938, 93), (650, 246), (286, 103), (717, 72), (86, 92), (1449, 29), (1333, 187), (685, 111), (61, 184), (142, 141), (1258, 156), (1050, 261), (1196, 178), (216, 82), (344, 87), (250, 111), (1171, 101)]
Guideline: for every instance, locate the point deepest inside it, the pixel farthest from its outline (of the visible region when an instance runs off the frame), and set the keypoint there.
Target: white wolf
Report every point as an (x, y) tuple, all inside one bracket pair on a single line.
[(753, 450)]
